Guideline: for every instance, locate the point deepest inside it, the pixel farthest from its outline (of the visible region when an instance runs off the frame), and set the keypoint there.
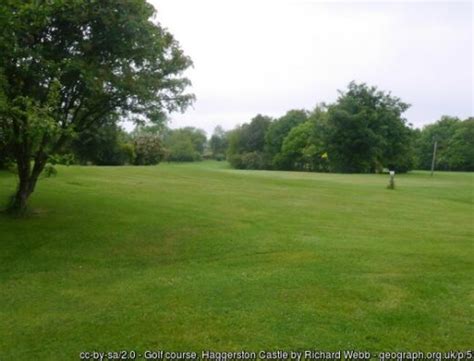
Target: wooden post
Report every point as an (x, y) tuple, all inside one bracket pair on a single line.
[(434, 157), (391, 184)]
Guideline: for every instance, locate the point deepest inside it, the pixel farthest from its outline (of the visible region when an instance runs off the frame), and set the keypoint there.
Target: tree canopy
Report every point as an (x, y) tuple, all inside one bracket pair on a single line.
[(278, 130), (247, 144), (218, 143), (363, 131), (184, 144), (304, 147), (455, 144), (67, 65), (366, 131)]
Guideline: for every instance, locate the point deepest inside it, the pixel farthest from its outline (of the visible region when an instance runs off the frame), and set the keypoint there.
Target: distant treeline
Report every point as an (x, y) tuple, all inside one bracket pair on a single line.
[(146, 145), (362, 132), (110, 144)]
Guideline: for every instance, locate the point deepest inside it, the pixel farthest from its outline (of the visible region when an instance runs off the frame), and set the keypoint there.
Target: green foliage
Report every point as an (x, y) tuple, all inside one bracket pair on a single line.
[(218, 143), (181, 149), (367, 133), (185, 144), (62, 159), (278, 130), (455, 144), (220, 157), (49, 171), (104, 144), (128, 151), (248, 160), (363, 132), (304, 147), (253, 134), (247, 143), (107, 54), (460, 152), (442, 131)]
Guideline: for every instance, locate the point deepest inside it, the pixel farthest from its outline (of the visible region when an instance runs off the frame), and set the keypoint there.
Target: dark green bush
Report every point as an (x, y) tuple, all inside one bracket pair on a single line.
[(49, 171)]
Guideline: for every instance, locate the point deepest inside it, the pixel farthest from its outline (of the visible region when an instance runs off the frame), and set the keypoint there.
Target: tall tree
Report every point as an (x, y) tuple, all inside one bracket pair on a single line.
[(66, 65), (247, 142), (278, 130), (366, 131), (304, 147), (218, 143), (253, 136)]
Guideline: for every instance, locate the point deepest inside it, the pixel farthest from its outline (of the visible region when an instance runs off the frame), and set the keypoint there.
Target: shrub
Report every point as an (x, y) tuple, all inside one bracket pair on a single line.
[(185, 144), (148, 149), (49, 171), (182, 150), (128, 153), (219, 157), (235, 161)]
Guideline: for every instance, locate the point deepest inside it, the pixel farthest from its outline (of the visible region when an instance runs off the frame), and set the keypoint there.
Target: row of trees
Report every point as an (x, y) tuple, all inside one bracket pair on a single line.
[(109, 144), (362, 132), (299, 140)]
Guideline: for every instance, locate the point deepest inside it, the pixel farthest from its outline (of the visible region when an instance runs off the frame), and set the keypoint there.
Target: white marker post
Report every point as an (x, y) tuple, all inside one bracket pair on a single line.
[(391, 185)]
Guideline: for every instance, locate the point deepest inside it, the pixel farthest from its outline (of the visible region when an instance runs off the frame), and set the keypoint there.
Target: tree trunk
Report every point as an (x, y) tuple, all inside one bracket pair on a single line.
[(20, 199), (26, 184)]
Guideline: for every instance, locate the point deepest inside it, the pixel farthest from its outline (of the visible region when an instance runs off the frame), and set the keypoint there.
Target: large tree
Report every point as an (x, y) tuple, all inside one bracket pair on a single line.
[(66, 65), (247, 142), (367, 132)]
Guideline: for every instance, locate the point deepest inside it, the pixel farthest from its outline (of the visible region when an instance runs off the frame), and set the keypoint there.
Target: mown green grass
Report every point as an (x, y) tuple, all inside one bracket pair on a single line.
[(199, 256)]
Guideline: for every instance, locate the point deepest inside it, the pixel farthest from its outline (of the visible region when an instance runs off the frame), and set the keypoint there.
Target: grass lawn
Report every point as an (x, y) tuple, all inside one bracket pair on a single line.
[(199, 256)]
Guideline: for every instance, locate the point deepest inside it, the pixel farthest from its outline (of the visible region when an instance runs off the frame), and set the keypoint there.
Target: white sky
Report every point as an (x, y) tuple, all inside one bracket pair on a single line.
[(268, 57)]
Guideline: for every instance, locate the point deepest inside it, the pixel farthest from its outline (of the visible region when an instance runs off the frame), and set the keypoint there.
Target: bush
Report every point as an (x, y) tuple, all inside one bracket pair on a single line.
[(49, 171), (148, 149), (253, 160), (235, 161), (185, 144), (128, 152), (219, 157), (182, 151)]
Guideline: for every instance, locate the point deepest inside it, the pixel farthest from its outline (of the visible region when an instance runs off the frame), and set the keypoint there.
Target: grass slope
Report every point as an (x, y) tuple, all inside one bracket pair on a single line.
[(198, 256)]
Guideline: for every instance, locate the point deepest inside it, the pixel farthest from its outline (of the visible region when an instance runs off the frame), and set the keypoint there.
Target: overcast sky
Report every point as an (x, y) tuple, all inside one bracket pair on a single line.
[(268, 57)]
